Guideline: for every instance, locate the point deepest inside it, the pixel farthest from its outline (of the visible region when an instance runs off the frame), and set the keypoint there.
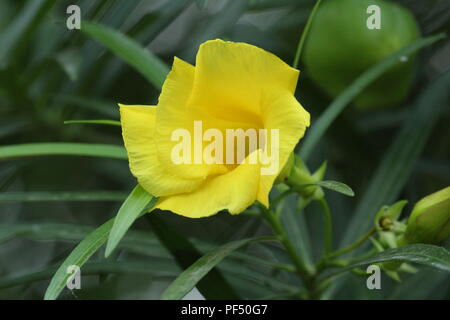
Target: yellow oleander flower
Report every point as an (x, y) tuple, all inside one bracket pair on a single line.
[(233, 86)]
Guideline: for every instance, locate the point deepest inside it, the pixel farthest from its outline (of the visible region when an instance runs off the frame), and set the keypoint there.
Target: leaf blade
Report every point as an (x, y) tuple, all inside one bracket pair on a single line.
[(62, 196), (146, 63), (214, 285), (363, 81), (82, 252), (131, 209), (337, 187), (62, 148), (102, 121), (425, 254), (89, 245), (187, 280), (398, 161)]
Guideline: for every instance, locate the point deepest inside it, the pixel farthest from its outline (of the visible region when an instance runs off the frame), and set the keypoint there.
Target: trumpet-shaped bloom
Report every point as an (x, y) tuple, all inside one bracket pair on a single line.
[(233, 86)]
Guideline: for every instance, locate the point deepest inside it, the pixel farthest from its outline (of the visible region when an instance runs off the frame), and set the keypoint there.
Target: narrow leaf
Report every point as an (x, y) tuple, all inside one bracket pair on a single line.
[(107, 122), (425, 254), (89, 245), (336, 186), (319, 128), (155, 268), (398, 161), (82, 252), (146, 63), (23, 26), (188, 279), (62, 148), (62, 196), (214, 285), (136, 203)]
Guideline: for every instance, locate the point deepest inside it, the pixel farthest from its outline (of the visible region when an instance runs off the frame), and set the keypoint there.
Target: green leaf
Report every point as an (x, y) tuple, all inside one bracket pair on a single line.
[(62, 196), (319, 128), (336, 186), (62, 148), (150, 66), (136, 203), (82, 252), (329, 184), (202, 4), (425, 254), (216, 26), (70, 61), (155, 268), (107, 122), (259, 5), (213, 285), (295, 223), (24, 25), (239, 267), (188, 279), (106, 108), (398, 161), (140, 242)]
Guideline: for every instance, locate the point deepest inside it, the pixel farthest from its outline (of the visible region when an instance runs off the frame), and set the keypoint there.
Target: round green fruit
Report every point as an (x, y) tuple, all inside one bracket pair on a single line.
[(341, 46)]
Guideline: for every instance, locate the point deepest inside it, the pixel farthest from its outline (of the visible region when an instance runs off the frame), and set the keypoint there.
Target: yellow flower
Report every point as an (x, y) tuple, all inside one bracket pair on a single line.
[(232, 86)]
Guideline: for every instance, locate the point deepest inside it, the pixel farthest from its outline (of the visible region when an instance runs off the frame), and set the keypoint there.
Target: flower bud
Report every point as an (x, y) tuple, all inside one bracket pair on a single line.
[(286, 171), (301, 176), (429, 221), (386, 219)]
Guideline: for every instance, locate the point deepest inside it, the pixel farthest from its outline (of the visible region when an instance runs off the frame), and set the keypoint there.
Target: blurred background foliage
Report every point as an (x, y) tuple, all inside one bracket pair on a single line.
[(49, 74)]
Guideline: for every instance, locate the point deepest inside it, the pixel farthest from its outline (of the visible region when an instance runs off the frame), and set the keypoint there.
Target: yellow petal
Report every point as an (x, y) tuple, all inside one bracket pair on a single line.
[(280, 110), (230, 79), (234, 191), (173, 114), (138, 125)]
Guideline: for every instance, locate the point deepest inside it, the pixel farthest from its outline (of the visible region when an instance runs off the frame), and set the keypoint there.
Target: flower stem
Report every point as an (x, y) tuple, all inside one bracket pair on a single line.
[(301, 42), (354, 245), (302, 271), (328, 226)]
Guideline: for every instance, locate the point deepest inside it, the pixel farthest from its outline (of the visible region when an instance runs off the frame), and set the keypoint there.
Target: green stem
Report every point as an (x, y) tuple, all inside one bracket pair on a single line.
[(305, 275), (339, 272), (301, 42), (328, 226), (278, 229), (354, 245)]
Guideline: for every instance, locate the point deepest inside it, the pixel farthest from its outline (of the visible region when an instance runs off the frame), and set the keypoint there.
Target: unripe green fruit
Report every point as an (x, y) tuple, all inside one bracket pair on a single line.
[(340, 47)]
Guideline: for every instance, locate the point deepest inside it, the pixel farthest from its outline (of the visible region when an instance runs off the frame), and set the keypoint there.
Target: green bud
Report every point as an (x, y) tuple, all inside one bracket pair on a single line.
[(301, 176), (286, 171), (387, 218), (429, 221), (389, 230)]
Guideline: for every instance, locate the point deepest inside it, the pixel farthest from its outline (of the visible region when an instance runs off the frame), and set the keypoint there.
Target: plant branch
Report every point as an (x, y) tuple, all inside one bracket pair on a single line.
[(302, 271), (305, 32), (328, 226), (354, 245)]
